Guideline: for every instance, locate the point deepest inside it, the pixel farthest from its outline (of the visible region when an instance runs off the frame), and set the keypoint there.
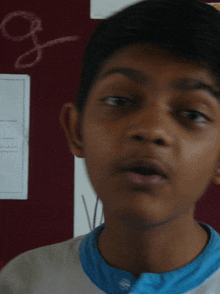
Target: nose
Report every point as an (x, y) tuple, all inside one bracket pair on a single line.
[(152, 124)]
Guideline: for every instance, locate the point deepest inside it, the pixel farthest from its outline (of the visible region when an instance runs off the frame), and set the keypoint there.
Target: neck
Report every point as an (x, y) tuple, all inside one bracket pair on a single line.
[(154, 249)]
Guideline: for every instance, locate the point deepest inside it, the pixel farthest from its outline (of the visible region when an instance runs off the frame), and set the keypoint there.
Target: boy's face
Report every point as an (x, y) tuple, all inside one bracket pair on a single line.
[(151, 122)]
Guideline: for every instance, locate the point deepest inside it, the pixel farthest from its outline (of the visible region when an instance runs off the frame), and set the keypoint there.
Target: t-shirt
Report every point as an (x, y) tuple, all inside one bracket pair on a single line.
[(77, 267)]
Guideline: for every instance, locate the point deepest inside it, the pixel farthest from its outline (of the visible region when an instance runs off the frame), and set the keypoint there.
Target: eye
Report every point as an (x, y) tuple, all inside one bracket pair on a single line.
[(121, 101), (195, 115), (116, 100)]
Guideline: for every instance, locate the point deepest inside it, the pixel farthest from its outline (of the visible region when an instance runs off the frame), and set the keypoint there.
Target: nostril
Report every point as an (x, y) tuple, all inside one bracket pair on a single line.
[(159, 141), (139, 138)]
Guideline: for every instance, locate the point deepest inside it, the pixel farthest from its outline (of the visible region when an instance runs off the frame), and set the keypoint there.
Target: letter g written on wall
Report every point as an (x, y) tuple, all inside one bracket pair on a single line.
[(35, 26)]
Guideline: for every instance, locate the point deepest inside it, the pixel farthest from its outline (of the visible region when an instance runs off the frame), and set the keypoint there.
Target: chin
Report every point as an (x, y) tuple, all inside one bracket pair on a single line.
[(142, 221)]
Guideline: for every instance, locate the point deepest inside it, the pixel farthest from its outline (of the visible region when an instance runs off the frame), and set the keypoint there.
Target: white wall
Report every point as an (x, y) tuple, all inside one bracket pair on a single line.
[(84, 210)]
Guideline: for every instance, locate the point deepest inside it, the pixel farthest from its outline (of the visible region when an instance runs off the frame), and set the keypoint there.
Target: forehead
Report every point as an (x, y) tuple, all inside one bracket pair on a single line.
[(156, 62)]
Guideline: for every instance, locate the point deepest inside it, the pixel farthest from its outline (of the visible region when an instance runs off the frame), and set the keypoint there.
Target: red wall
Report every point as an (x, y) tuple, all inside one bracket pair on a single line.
[(47, 216)]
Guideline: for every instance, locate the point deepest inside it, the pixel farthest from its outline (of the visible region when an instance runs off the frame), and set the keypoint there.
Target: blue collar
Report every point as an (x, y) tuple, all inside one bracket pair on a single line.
[(113, 280)]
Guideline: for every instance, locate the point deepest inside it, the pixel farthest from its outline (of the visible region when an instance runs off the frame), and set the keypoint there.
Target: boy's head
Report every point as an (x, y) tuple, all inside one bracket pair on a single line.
[(146, 99), (188, 28)]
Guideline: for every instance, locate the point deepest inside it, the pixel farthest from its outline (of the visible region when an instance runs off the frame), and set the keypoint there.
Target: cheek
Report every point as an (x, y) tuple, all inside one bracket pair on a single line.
[(197, 173), (99, 154), (98, 145)]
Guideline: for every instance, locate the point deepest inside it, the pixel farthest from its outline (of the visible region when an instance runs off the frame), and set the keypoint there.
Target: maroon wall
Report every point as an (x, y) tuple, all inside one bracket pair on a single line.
[(47, 216)]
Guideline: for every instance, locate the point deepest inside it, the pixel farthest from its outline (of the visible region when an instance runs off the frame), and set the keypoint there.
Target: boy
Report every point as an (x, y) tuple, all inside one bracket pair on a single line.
[(147, 122)]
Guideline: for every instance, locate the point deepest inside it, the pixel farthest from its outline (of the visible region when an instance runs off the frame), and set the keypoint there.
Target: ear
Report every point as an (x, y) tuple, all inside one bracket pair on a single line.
[(216, 178), (69, 120)]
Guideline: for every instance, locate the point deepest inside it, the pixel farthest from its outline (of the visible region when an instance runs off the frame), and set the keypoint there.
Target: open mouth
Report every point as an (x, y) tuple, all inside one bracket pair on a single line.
[(144, 171), (144, 176)]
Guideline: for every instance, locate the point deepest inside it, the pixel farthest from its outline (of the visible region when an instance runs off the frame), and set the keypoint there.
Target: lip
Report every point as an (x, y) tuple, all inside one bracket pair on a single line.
[(144, 181), (148, 163)]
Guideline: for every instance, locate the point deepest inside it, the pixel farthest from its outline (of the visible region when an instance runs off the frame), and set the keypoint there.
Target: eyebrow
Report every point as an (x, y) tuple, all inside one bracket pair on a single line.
[(182, 84)]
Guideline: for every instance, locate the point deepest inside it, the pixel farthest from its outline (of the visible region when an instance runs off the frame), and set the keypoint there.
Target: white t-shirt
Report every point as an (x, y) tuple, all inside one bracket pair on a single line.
[(77, 267)]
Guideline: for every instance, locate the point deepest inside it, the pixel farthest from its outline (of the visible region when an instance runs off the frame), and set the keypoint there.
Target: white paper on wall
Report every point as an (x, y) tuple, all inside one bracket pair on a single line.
[(84, 201), (14, 135), (100, 9)]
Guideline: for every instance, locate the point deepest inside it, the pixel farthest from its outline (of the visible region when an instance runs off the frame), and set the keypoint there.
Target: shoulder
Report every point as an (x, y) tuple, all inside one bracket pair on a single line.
[(46, 255), (40, 264)]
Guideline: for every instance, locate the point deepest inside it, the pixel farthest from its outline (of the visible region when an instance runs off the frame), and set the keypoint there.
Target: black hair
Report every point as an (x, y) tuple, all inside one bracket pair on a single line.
[(188, 28)]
